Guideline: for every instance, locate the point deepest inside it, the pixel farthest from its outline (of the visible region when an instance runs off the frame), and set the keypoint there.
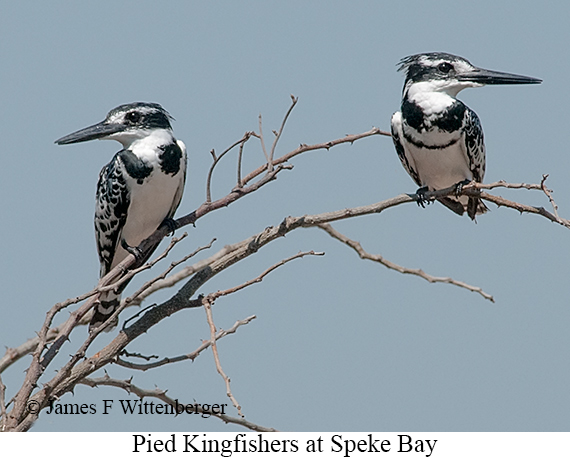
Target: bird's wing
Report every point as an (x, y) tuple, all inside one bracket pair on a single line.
[(113, 201), (474, 145), (406, 159)]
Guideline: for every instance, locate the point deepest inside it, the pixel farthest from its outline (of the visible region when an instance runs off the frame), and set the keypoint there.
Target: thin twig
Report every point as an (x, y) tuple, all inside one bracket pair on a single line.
[(260, 136), (191, 356), (314, 147), (357, 247), (294, 101), (548, 193), (214, 296), (210, 318), (521, 208), (129, 387), (506, 185), (138, 355), (3, 415), (240, 158), (217, 159)]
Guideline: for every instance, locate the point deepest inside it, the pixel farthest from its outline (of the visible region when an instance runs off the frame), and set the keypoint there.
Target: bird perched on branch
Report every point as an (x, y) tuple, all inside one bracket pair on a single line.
[(138, 190), (439, 140)]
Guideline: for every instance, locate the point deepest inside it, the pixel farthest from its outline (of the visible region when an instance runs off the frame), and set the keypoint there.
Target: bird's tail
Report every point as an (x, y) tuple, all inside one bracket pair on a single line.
[(473, 205), (107, 305)]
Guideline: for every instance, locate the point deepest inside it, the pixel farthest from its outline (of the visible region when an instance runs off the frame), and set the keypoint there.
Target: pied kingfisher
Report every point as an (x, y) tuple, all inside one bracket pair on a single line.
[(438, 139), (138, 190)]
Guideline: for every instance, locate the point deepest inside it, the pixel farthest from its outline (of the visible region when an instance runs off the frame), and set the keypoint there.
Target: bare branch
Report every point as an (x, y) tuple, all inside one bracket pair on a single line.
[(167, 360), (210, 318), (129, 387), (357, 247)]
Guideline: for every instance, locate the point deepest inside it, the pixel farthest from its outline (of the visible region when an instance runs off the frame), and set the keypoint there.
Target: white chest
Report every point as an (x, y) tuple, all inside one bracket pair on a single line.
[(154, 197), (440, 168)]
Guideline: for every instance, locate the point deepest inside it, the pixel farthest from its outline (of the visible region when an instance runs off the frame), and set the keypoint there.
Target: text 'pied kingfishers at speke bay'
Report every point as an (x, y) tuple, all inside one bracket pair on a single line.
[(439, 140), (138, 190)]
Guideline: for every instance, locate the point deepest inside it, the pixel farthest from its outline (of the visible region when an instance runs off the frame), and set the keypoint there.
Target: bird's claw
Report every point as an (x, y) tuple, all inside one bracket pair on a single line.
[(171, 224), (459, 187), (422, 200), (132, 250)]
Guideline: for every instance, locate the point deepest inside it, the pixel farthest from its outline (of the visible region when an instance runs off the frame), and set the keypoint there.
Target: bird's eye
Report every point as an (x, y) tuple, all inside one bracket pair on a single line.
[(445, 67), (133, 117)]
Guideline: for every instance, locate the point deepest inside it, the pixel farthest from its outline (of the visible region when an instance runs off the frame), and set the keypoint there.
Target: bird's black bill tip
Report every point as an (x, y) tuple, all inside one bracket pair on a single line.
[(94, 132)]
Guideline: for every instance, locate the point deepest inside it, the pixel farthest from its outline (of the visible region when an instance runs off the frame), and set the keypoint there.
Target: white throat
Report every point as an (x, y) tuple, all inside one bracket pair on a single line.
[(132, 139)]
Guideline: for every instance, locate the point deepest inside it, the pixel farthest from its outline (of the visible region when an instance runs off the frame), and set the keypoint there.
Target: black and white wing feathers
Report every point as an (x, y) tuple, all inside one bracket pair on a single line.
[(113, 201), (474, 145), (475, 150)]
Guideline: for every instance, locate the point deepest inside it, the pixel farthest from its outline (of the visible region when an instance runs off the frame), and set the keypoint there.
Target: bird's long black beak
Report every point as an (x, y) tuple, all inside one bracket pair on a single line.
[(482, 76), (94, 132)]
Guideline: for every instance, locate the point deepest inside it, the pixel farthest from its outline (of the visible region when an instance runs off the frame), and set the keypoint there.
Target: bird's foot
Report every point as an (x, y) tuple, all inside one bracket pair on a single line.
[(422, 200), (132, 250), (171, 224), (459, 186)]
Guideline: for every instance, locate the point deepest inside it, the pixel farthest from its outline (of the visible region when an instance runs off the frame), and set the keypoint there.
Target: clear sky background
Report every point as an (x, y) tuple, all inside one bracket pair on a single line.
[(339, 343)]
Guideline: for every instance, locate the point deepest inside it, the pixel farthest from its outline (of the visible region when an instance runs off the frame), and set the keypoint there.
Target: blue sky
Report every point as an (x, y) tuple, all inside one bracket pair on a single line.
[(339, 343)]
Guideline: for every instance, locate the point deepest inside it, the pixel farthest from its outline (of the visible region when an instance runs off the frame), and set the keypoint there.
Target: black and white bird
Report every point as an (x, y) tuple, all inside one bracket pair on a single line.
[(140, 188), (439, 140)]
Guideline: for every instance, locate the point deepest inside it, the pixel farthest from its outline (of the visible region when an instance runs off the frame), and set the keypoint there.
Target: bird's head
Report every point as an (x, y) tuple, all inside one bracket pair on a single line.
[(125, 124), (442, 72)]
